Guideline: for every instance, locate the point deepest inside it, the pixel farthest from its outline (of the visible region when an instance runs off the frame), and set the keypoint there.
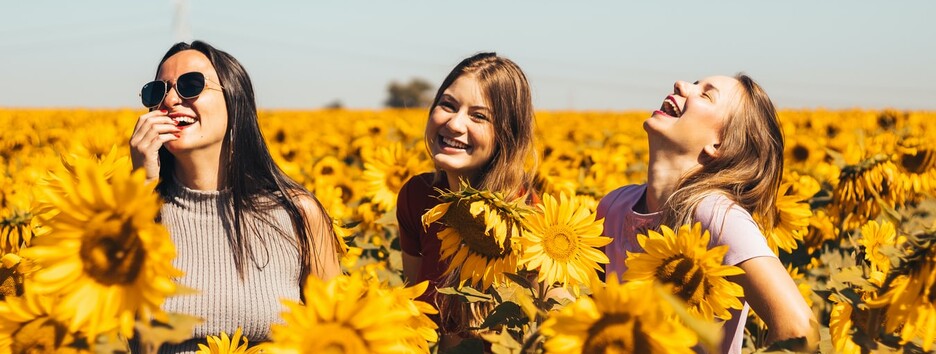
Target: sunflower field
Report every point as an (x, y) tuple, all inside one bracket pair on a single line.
[(85, 265)]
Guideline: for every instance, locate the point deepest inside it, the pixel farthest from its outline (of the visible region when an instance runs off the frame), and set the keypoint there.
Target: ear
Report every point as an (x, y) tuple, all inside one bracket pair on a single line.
[(711, 151)]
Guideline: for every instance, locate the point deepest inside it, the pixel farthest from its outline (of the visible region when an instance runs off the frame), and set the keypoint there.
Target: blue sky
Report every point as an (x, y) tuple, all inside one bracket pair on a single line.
[(597, 55)]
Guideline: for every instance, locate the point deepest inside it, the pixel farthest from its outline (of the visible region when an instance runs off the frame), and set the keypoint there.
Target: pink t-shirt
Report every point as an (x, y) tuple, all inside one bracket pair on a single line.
[(728, 224)]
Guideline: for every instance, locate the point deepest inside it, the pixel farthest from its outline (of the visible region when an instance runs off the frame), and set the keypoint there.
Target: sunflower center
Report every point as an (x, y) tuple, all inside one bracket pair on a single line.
[(340, 340), (112, 252), (800, 153), (42, 335), (687, 277), (560, 242), (396, 178), (616, 333), (327, 171), (919, 162), (471, 229)]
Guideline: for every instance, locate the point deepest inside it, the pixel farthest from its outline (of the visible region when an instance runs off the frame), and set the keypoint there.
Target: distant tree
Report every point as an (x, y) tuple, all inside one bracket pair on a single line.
[(336, 104), (415, 94)]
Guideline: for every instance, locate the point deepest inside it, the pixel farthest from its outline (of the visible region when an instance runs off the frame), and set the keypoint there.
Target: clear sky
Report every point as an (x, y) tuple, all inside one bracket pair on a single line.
[(598, 55)]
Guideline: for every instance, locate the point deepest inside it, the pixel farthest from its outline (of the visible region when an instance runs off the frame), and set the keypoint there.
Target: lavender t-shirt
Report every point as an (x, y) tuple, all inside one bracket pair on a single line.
[(728, 224)]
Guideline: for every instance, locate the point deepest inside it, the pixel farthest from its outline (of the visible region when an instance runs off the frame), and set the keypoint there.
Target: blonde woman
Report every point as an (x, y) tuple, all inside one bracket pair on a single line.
[(716, 157)]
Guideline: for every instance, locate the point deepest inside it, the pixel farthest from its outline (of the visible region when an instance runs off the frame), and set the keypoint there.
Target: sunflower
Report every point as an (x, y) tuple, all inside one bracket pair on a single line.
[(840, 327), (353, 314), (792, 221), (618, 318), (873, 237), (388, 169), (30, 324), (910, 304), (227, 345), (917, 163), (682, 258), (862, 187), (104, 253), (561, 242), (482, 234)]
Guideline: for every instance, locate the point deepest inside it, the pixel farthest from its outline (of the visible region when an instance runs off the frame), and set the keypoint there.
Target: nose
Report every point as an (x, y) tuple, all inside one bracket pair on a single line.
[(456, 123), (683, 88), (172, 98)]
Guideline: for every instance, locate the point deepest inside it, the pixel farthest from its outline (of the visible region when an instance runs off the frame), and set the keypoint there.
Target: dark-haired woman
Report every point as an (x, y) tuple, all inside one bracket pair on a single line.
[(246, 235)]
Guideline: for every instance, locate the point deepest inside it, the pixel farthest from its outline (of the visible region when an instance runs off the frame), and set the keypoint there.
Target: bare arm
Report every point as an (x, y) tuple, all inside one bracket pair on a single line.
[(771, 292), (411, 268), (325, 249)]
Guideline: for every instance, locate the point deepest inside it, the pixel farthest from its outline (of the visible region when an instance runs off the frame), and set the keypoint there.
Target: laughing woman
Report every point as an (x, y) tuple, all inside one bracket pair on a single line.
[(480, 129), (247, 235), (716, 157)]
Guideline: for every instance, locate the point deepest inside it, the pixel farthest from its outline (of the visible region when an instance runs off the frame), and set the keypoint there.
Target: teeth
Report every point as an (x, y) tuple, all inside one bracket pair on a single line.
[(188, 120), (454, 143), (671, 108)]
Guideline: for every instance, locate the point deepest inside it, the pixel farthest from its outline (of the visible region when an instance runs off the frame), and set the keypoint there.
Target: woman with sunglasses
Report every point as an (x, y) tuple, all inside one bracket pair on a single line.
[(238, 222)]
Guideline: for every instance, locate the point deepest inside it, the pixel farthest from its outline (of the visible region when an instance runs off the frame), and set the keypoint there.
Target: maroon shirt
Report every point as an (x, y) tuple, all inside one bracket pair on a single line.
[(416, 197)]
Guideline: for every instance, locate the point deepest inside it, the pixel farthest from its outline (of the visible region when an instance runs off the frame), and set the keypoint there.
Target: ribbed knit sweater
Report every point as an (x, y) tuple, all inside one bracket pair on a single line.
[(199, 230)]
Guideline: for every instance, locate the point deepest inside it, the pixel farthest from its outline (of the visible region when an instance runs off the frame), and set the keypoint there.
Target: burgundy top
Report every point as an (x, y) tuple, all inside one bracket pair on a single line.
[(416, 197)]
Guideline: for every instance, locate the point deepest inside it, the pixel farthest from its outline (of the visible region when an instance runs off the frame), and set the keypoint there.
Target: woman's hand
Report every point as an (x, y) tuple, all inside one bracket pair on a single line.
[(152, 130)]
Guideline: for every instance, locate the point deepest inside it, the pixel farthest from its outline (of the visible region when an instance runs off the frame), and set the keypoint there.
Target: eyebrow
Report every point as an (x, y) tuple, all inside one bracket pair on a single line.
[(708, 86)]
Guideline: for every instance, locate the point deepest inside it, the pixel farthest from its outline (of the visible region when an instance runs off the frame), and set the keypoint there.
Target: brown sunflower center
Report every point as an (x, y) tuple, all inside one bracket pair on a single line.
[(340, 340), (395, 179), (800, 153), (560, 242), (616, 333), (471, 229), (112, 252), (687, 277), (42, 335), (326, 171), (920, 162)]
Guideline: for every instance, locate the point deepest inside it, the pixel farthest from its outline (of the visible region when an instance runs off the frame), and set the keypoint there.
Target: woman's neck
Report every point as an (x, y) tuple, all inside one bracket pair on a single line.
[(199, 172), (663, 174)]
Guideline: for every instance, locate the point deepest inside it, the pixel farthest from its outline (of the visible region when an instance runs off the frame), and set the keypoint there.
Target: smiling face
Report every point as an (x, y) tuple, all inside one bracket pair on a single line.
[(460, 131), (693, 116), (203, 119)]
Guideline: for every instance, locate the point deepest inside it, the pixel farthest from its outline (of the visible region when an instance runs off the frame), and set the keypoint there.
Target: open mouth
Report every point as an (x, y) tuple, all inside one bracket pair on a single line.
[(183, 121), (671, 108), (452, 143)]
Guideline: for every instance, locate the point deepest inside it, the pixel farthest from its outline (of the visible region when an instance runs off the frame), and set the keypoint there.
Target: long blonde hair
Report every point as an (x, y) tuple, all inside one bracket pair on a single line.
[(508, 92), (749, 165)]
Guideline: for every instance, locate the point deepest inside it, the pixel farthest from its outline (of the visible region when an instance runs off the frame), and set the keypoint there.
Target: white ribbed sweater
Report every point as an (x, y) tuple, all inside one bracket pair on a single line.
[(199, 231)]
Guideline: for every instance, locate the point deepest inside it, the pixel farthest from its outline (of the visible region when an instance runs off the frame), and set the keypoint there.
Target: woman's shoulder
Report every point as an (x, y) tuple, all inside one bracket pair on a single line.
[(628, 194), (718, 204), (420, 185)]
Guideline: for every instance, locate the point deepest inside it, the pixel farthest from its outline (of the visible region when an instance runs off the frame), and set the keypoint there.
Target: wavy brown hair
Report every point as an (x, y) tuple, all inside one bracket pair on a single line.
[(508, 92), (749, 165)]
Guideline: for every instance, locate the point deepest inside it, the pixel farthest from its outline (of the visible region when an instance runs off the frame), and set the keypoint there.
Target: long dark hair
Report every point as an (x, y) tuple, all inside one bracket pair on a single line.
[(255, 181)]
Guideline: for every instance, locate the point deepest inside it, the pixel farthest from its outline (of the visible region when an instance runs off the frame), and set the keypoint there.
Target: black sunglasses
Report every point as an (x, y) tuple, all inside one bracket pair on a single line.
[(188, 86)]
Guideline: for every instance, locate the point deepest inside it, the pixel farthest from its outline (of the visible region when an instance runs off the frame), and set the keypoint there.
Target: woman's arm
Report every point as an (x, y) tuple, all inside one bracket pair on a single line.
[(324, 243), (771, 292), (411, 268)]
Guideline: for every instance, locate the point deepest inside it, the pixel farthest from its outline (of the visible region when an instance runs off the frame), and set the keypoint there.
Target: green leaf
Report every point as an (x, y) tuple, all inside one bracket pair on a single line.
[(155, 333), (520, 280), (502, 343), (467, 293), (467, 346), (508, 313)]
